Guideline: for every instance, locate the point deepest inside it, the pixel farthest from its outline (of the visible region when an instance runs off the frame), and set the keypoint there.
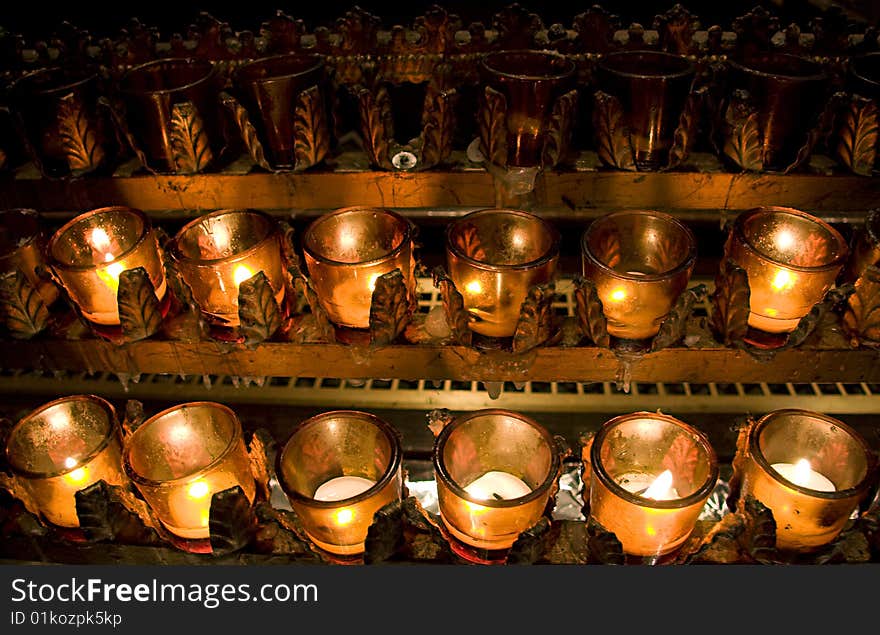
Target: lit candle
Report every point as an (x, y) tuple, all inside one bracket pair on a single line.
[(89, 253), (657, 488), (497, 485), (800, 473), (189, 505), (219, 251)]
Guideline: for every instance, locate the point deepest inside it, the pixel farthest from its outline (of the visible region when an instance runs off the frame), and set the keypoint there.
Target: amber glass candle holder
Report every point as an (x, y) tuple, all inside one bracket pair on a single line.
[(652, 87), (792, 259), (530, 82), (179, 458), (494, 256), (22, 244), (218, 251), (347, 250), (269, 88), (90, 252), (651, 475), (62, 447), (640, 262), (495, 472), (168, 99), (811, 502), (338, 469)]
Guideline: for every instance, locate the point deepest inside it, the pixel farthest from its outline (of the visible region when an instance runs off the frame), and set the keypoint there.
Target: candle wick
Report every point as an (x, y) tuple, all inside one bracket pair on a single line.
[(497, 497)]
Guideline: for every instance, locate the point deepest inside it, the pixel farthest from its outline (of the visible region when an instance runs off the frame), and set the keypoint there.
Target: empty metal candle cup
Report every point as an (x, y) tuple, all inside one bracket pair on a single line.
[(788, 93), (347, 250), (811, 470), (269, 89), (791, 258), (172, 113), (650, 476), (494, 257), (640, 262), (652, 87), (22, 244), (218, 251), (495, 472), (90, 252), (179, 458), (338, 469), (62, 447), (530, 82)]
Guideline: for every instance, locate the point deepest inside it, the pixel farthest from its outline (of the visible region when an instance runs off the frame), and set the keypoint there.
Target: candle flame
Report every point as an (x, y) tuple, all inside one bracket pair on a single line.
[(474, 287), (618, 295), (70, 462), (198, 490), (784, 240), (241, 274), (660, 489), (802, 471), (783, 280), (110, 275), (76, 476), (344, 516), (101, 242)]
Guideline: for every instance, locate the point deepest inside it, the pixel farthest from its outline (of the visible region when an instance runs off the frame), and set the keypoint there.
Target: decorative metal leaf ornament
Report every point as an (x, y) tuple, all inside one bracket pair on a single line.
[(559, 129), (674, 326), (232, 522), (857, 136), (535, 324), (729, 319), (189, 139), (247, 130), (492, 121), (23, 310), (438, 125), (390, 308), (258, 311), (686, 132), (79, 138), (861, 319), (453, 305), (311, 135), (590, 313), (139, 313), (612, 133), (742, 133), (377, 124)]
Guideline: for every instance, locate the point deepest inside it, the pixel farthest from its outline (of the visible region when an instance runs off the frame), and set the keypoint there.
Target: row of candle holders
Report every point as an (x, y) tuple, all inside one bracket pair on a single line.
[(647, 475), (636, 266), (646, 111)]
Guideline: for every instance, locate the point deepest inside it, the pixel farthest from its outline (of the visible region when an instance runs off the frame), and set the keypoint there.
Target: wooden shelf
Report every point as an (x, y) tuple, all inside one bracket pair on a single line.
[(705, 191)]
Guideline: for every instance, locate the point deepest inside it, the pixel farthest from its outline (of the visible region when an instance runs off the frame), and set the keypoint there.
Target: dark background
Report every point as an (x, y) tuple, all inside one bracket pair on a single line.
[(35, 19)]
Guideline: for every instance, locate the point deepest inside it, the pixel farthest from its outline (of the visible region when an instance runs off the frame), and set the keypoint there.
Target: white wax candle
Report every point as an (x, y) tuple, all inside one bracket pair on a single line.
[(498, 486), (342, 487), (802, 474), (639, 483)]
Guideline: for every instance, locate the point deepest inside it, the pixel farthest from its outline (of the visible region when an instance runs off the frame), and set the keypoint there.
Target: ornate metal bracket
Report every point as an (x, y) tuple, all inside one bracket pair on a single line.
[(189, 139), (861, 319), (140, 315), (536, 324), (674, 326), (729, 315), (258, 312), (391, 308), (857, 135), (246, 130), (453, 306), (590, 314)]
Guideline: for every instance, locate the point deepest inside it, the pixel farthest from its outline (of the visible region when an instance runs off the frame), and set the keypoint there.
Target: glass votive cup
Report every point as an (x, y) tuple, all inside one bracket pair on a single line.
[(494, 257), (63, 447), (811, 470), (640, 262), (791, 258), (495, 471), (150, 91), (652, 87), (90, 252), (338, 469), (347, 250), (530, 82), (218, 251), (22, 245), (179, 458), (269, 88), (651, 475)]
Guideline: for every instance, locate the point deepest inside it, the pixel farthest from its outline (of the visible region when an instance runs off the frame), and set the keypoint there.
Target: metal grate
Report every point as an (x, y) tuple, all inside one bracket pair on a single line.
[(841, 398)]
